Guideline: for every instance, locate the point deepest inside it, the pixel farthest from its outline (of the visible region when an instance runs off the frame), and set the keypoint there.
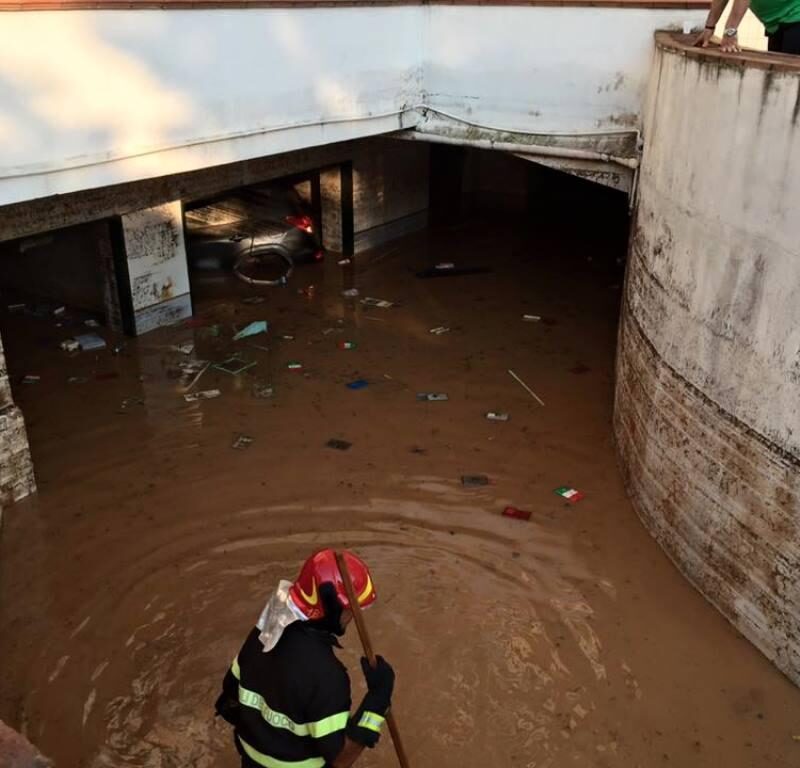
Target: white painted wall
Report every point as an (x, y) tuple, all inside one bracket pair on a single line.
[(543, 69), (91, 98)]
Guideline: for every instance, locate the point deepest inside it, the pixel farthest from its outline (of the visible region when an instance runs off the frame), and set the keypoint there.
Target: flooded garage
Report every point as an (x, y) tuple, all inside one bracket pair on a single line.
[(182, 473)]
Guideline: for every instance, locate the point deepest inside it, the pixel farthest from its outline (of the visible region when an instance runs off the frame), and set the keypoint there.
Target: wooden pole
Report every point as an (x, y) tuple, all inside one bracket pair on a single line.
[(366, 644)]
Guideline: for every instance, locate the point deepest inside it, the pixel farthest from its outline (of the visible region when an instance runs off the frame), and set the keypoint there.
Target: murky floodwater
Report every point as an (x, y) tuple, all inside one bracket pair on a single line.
[(130, 581)]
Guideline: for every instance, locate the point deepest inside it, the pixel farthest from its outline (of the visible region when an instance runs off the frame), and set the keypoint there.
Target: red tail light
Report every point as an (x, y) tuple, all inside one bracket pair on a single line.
[(319, 256), (301, 222)]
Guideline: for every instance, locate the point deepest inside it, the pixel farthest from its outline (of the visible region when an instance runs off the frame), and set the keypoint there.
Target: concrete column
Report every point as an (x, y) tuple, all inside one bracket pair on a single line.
[(336, 198), (16, 467), (152, 272)]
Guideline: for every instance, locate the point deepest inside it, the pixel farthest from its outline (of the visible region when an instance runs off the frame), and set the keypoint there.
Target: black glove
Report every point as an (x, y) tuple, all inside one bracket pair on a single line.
[(380, 682), (365, 725), (228, 708)]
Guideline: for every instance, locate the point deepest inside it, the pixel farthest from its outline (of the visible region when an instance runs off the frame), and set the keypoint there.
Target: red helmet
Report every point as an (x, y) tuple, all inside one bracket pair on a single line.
[(322, 567)]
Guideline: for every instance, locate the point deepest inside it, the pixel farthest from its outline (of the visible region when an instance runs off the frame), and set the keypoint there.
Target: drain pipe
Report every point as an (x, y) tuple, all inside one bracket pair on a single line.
[(522, 149)]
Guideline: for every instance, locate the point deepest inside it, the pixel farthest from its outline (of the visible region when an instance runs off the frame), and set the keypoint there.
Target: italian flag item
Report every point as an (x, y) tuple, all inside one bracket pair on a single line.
[(570, 494)]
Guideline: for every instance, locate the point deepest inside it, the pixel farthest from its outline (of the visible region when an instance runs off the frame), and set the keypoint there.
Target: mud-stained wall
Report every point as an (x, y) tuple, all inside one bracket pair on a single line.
[(707, 415), (16, 467), (59, 266), (389, 189)]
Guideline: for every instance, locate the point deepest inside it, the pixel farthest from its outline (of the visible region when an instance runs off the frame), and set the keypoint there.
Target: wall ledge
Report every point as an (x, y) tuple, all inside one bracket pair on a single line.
[(674, 42)]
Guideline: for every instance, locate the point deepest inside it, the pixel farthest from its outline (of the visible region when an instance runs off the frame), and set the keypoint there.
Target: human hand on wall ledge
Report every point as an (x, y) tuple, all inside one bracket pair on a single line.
[(730, 44), (704, 38)]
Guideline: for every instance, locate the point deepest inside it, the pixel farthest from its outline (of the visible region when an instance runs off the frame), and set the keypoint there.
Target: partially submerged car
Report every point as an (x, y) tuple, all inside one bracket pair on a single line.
[(260, 233)]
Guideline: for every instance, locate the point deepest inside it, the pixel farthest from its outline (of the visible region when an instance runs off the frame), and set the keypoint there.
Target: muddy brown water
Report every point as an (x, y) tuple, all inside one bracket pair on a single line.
[(131, 579)]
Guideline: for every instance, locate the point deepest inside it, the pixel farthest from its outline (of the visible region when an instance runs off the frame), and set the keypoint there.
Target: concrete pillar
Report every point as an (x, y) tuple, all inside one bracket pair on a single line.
[(16, 467), (152, 273), (336, 198)]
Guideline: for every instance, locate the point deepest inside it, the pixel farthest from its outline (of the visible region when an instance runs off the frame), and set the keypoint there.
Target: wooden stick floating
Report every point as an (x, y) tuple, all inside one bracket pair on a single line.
[(527, 388)]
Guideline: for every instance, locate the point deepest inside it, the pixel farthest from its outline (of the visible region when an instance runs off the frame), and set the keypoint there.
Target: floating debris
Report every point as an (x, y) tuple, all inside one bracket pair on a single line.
[(15, 309), (58, 311), (287, 337), (185, 349), (347, 345), (527, 388), (497, 416), (344, 262), (350, 293), (253, 329), (368, 301), (129, 401), (242, 441), (234, 365), (31, 379), (439, 330), (262, 391), (198, 367), (90, 341), (294, 366), (358, 384), (77, 380), (570, 494), (70, 345), (517, 514), (474, 481), (338, 445), (531, 318), (432, 397), (91, 323), (206, 394)]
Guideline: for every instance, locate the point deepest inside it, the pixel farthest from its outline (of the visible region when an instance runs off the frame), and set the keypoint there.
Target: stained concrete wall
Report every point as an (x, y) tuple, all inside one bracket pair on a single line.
[(63, 266), (16, 468), (707, 415), (390, 191), (389, 194)]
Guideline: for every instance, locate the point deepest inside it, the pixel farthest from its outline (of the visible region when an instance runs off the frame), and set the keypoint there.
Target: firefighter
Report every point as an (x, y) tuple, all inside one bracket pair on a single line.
[(286, 693)]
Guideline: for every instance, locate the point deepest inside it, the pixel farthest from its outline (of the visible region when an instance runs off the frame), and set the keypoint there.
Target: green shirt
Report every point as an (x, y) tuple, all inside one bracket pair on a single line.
[(773, 13)]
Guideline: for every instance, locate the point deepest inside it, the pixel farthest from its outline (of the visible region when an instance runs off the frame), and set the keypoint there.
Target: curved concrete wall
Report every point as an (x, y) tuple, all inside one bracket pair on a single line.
[(707, 415)]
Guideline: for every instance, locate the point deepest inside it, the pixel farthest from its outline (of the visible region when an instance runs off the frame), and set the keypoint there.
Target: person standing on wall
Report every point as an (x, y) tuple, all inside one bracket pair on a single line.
[(781, 20)]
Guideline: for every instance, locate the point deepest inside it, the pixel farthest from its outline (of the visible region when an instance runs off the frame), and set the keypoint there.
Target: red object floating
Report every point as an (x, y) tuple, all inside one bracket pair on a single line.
[(517, 514)]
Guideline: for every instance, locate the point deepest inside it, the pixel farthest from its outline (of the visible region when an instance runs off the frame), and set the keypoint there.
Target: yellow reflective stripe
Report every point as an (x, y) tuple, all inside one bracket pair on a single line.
[(273, 762), (235, 668), (329, 725), (371, 721), (318, 729)]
